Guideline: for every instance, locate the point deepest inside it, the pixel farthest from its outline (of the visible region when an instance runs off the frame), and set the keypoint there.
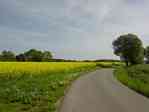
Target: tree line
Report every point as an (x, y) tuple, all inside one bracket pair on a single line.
[(30, 55), (129, 48)]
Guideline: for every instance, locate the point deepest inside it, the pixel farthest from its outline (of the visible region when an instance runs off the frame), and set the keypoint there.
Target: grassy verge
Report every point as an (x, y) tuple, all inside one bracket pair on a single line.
[(36, 87), (109, 64), (135, 77)]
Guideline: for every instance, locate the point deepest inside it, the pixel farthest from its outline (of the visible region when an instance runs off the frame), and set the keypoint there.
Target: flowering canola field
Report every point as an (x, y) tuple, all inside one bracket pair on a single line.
[(35, 86)]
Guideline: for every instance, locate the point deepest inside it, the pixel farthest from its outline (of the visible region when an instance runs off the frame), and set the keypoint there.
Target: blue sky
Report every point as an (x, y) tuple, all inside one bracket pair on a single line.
[(72, 29)]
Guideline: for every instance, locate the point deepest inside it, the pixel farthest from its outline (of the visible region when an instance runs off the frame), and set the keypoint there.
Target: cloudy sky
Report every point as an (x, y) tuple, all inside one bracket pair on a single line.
[(72, 29)]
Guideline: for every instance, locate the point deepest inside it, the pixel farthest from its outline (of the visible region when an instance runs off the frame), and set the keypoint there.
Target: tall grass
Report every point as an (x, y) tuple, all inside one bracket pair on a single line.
[(36, 87), (135, 77)]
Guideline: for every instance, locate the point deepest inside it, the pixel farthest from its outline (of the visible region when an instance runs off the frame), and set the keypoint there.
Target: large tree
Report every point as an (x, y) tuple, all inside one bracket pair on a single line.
[(147, 54), (47, 56), (7, 56), (130, 49), (33, 55)]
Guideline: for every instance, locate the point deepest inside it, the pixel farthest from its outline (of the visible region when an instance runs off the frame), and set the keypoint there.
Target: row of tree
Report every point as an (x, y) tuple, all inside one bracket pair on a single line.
[(30, 55), (130, 49)]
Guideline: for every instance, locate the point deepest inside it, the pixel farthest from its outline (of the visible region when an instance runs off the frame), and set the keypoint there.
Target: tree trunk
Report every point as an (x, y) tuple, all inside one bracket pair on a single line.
[(127, 63)]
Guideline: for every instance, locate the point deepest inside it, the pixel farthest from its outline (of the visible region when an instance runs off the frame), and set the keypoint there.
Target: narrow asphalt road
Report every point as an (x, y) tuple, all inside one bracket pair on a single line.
[(99, 91)]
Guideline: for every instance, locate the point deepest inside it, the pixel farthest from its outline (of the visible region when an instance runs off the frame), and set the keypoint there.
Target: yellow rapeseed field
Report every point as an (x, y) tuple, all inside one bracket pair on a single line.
[(41, 67), (36, 86)]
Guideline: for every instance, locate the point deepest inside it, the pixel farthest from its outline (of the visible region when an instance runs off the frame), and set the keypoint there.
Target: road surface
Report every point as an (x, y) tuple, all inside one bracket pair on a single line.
[(99, 91)]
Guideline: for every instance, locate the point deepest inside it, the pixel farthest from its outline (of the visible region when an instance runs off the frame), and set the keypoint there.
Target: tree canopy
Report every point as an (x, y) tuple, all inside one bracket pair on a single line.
[(7, 56), (47, 55), (33, 55), (130, 49), (30, 55), (147, 54)]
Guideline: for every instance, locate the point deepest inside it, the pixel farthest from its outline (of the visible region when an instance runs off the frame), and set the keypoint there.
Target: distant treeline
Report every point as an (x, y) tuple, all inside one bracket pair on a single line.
[(39, 56), (106, 60), (30, 55)]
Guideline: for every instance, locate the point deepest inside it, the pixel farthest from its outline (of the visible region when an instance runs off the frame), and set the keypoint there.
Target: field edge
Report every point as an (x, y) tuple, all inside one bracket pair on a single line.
[(121, 74)]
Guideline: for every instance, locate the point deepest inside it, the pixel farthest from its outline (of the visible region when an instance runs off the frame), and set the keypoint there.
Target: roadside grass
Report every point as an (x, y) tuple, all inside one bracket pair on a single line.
[(109, 64), (135, 77), (36, 87)]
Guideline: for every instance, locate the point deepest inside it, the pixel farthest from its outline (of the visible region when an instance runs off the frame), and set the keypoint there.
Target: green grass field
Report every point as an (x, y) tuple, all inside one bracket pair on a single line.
[(135, 77), (36, 87)]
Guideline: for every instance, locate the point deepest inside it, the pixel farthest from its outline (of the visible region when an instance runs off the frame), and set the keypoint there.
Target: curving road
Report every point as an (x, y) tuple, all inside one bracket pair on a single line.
[(99, 91)]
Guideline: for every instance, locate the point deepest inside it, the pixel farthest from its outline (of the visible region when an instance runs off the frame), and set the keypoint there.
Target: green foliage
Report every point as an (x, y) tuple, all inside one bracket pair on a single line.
[(135, 77), (7, 56), (33, 55), (30, 55), (130, 49), (47, 56), (147, 54)]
